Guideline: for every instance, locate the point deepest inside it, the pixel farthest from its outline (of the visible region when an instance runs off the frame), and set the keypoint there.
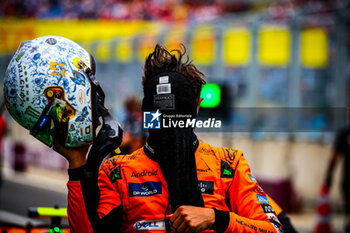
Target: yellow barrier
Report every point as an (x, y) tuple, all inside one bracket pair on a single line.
[(236, 49), (123, 51), (314, 47), (175, 37), (203, 45), (274, 45), (13, 31), (274, 42)]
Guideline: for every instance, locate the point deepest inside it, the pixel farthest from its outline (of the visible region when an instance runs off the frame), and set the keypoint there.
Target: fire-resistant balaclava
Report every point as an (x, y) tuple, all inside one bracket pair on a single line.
[(173, 147)]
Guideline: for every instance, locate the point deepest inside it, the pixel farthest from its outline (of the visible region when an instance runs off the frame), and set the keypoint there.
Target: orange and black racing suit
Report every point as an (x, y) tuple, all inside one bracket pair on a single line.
[(133, 189)]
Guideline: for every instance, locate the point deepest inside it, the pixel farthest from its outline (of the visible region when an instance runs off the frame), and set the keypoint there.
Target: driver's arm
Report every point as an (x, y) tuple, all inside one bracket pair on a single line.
[(247, 203), (109, 213)]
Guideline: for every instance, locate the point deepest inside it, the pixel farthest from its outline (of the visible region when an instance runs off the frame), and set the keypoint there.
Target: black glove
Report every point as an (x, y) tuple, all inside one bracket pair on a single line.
[(107, 140)]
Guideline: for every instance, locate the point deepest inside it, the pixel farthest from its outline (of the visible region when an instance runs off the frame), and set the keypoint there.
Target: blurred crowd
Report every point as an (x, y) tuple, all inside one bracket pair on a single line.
[(152, 10)]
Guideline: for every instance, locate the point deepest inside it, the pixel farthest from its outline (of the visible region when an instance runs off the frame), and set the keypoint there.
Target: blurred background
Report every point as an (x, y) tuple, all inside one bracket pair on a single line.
[(279, 75)]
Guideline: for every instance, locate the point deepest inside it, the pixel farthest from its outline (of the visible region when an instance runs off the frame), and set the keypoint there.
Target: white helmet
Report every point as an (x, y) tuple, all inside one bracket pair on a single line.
[(45, 82)]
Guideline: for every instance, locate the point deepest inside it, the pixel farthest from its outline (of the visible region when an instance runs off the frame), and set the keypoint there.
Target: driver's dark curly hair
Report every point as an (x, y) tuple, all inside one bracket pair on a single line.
[(161, 60)]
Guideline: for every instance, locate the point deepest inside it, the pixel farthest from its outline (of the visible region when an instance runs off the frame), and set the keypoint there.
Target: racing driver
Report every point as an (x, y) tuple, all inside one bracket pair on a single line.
[(176, 182)]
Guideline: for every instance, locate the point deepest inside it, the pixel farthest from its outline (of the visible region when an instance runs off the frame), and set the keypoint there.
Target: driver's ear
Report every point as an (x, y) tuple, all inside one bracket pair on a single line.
[(199, 104)]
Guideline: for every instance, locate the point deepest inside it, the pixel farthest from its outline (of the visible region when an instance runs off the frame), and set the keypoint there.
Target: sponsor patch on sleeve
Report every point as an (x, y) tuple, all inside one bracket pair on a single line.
[(277, 226), (267, 208), (272, 216), (230, 154), (262, 199), (115, 174), (252, 178), (258, 189), (226, 170)]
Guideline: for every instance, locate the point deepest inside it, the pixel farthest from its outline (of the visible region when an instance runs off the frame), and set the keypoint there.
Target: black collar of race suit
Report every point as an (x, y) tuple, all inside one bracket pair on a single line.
[(149, 151)]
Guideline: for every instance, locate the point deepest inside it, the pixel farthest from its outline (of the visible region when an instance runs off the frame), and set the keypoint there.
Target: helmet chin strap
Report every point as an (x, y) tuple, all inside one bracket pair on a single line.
[(107, 140), (94, 83), (110, 135)]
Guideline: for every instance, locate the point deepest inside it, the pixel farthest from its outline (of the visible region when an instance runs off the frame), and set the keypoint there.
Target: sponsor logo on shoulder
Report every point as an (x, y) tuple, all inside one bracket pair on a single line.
[(252, 178), (258, 189), (145, 189), (115, 174), (226, 170), (277, 226), (262, 199), (272, 216), (267, 208), (149, 225), (145, 173), (230, 154)]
